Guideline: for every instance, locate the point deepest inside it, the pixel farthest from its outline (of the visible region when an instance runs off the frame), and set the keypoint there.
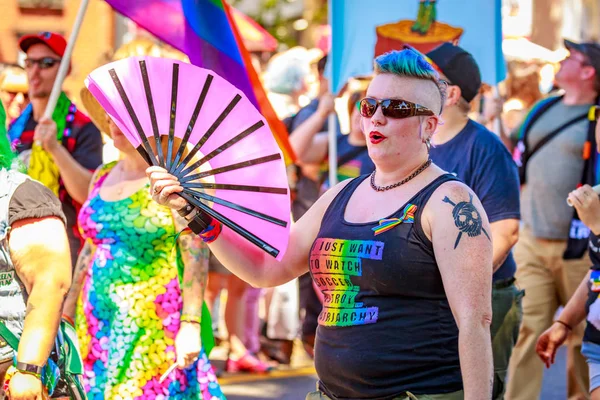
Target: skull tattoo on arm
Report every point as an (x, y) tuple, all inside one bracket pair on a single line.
[(467, 219)]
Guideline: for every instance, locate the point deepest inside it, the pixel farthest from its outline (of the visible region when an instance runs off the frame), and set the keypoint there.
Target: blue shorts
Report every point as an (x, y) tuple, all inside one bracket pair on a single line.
[(591, 352)]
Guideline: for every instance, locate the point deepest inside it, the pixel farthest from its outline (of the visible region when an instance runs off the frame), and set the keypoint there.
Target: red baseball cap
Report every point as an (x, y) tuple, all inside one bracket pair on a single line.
[(56, 42)]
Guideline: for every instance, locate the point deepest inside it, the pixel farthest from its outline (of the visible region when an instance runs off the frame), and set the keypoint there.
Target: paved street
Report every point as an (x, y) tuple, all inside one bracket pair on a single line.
[(294, 383), (555, 379), (291, 385)]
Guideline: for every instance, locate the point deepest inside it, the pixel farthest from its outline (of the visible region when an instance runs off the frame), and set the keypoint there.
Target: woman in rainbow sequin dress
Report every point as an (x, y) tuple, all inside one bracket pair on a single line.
[(133, 320)]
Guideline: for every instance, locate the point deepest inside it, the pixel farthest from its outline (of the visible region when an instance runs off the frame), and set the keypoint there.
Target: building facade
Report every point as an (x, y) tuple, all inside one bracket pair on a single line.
[(96, 38)]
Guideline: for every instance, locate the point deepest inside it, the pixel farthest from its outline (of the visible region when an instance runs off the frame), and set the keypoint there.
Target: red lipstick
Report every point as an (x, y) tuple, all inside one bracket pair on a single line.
[(376, 137)]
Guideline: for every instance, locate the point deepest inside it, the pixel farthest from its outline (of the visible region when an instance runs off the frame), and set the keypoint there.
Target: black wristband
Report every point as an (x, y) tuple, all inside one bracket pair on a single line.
[(185, 211), (29, 369), (200, 222), (564, 324)]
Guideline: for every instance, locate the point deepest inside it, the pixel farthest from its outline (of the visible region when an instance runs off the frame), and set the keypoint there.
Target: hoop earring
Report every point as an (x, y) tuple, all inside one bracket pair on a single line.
[(428, 145)]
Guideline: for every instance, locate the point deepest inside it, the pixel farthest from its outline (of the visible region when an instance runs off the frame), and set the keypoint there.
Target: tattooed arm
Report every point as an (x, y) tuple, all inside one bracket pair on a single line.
[(195, 259), (81, 269), (40, 250), (455, 222)]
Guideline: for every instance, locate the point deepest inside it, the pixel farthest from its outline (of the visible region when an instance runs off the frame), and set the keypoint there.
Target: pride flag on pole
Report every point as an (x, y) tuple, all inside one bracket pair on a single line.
[(359, 29), (204, 30)]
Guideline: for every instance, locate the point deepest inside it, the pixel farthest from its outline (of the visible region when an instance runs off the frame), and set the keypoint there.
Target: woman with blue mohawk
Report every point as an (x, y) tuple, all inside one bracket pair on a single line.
[(402, 256)]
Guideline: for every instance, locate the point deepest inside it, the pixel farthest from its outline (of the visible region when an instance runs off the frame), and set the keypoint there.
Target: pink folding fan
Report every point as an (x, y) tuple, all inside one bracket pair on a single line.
[(224, 156)]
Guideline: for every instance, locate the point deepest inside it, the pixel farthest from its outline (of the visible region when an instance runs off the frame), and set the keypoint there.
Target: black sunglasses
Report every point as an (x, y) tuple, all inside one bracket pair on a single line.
[(392, 108), (43, 63)]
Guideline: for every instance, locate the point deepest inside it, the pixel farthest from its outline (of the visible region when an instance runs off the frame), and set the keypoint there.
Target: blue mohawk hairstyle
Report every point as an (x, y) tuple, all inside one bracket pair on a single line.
[(411, 64)]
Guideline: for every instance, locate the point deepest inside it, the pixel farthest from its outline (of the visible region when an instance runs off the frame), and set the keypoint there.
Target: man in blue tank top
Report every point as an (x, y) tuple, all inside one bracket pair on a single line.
[(475, 155)]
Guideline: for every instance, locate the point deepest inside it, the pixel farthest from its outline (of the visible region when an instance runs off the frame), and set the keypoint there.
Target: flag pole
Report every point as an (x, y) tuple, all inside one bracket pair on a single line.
[(63, 69), (497, 122), (332, 121), (332, 135)]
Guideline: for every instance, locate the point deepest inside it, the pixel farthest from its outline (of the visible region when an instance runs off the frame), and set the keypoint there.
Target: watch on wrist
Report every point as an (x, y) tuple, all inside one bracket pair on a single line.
[(29, 369)]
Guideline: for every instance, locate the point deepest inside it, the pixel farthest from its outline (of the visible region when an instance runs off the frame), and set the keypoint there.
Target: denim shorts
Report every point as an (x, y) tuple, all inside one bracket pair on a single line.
[(591, 352)]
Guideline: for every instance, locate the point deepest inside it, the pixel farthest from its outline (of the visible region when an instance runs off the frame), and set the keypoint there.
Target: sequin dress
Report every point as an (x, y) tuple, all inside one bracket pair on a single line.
[(128, 312)]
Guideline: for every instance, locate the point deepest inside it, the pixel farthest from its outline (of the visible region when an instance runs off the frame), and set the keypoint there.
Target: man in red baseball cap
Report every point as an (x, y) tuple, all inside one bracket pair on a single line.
[(56, 42), (72, 141), (44, 51)]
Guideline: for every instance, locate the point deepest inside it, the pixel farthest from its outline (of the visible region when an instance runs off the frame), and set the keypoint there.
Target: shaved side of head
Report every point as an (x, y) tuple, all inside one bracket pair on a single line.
[(408, 64)]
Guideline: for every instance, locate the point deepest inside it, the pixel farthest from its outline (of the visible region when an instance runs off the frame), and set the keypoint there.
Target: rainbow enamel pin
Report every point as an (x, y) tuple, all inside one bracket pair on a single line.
[(408, 217)]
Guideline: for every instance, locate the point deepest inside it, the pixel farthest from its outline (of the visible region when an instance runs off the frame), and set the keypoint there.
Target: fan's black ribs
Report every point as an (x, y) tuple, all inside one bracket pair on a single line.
[(172, 114), (190, 127), (208, 134), (237, 207), (232, 167), (243, 188), (252, 238), (150, 101), (222, 148), (136, 122)]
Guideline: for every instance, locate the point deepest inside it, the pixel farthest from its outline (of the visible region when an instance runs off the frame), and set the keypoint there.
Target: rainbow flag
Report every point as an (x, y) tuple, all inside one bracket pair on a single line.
[(408, 217), (204, 30)]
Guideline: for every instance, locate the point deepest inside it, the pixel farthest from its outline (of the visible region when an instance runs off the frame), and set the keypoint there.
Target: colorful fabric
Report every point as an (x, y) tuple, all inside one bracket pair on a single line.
[(205, 32), (595, 281), (6, 154), (41, 166), (212, 232), (408, 216), (128, 313)]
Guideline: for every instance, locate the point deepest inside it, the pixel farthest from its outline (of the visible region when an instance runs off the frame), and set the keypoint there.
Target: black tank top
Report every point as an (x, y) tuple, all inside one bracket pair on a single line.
[(386, 326), (592, 305)]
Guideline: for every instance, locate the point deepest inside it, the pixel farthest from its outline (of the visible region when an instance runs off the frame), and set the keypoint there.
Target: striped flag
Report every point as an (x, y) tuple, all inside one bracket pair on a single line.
[(205, 31)]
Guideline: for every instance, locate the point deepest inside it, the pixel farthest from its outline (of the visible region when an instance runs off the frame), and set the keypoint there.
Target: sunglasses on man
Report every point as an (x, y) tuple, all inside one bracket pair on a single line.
[(392, 108), (43, 63)]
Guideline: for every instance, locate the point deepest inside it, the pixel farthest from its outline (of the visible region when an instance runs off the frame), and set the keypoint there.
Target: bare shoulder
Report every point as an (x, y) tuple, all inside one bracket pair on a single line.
[(455, 191), (45, 232), (454, 203)]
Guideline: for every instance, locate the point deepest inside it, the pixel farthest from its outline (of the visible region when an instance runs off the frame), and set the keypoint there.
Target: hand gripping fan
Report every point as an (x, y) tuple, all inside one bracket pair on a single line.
[(205, 131)]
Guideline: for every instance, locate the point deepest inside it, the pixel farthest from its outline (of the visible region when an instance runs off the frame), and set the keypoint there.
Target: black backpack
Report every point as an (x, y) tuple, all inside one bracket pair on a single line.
[(522, 153)]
